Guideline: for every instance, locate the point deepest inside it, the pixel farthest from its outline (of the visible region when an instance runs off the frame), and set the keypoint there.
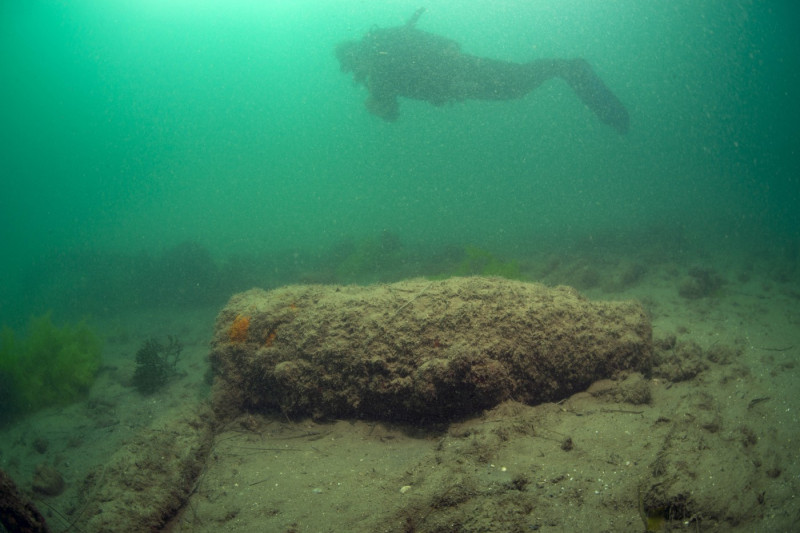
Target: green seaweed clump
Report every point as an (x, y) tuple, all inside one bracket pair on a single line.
[(480, 262), (156, 364), (370, 260), (50, 366)]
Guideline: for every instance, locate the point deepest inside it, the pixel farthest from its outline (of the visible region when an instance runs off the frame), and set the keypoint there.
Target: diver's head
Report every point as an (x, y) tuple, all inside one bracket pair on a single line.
[(348, 54)]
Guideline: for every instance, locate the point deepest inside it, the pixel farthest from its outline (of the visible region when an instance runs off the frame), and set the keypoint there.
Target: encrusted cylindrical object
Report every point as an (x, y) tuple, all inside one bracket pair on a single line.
[(418, 350)]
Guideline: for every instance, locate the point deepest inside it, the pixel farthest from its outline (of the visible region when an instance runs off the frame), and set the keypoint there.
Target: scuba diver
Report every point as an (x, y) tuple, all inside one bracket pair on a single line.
[(404, 61)]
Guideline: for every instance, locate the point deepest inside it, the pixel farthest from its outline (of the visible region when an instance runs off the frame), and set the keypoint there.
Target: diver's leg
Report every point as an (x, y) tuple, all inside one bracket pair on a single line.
[(490, 79), (594, 93), (481, 78), (383, 107)]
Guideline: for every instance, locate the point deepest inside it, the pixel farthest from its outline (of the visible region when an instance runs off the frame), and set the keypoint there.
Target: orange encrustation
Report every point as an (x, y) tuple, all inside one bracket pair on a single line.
[(270, 338), (238, 331)]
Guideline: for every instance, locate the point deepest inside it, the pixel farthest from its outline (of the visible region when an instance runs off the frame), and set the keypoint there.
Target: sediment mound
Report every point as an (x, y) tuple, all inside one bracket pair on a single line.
[(418, 350)]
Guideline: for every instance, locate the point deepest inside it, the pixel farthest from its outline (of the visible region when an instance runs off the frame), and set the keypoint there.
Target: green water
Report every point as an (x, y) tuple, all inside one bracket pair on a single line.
[(129, 127)]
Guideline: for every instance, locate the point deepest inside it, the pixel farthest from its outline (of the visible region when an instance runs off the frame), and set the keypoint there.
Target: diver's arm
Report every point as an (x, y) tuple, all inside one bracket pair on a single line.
[(382, 100), (386, 108)]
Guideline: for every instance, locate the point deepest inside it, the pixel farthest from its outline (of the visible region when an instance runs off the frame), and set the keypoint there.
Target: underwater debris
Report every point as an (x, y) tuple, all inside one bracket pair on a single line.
[(701, 283), (156, 364), (47, 481)]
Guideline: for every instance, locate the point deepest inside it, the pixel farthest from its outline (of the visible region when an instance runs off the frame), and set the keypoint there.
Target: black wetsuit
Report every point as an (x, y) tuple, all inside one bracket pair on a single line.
[(404, 61)]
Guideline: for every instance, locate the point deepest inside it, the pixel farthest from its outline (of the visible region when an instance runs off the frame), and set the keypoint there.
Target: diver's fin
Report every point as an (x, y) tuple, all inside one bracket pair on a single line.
[(415, 17), (596, 95)]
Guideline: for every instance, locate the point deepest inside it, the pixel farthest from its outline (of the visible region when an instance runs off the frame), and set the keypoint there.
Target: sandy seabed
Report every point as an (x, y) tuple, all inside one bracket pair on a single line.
[(706, 440)]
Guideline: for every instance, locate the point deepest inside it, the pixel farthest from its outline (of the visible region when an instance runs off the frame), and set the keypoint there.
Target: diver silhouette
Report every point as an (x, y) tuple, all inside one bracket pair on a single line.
[(404, 61)]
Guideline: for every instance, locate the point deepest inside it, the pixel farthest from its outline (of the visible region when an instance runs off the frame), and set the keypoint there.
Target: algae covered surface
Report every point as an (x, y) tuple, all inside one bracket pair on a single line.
[(419, 350)]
